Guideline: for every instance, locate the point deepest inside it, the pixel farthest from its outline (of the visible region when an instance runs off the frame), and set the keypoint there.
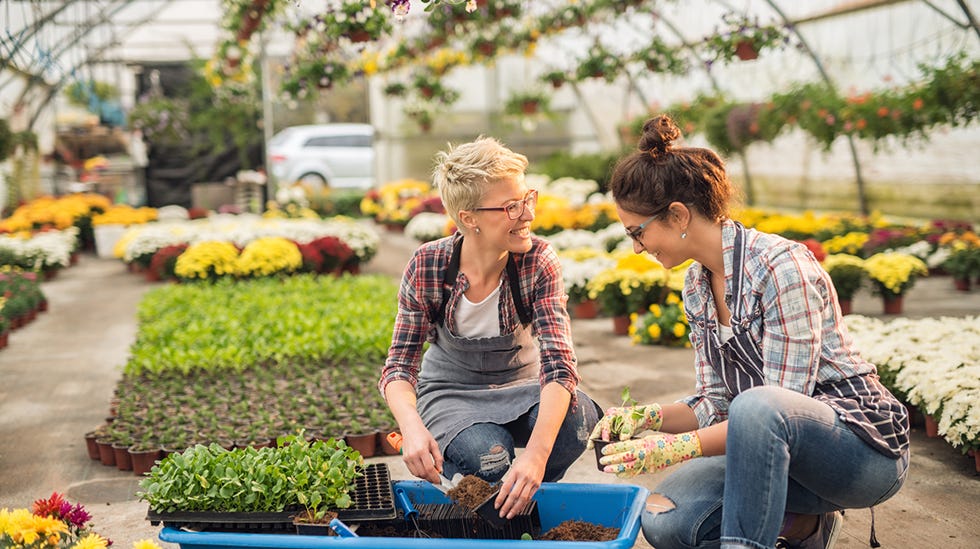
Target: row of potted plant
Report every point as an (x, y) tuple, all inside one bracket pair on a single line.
[(48, 212), (21, 299), (242, 363), (932, 364), (247, 245), (45, 252)]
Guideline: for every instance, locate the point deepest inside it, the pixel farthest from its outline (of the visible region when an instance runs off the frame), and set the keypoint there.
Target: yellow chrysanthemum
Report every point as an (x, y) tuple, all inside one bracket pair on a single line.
[(269, 255), (654, 331), (91, 541), (206, 259), (679, 329), (146, 544)]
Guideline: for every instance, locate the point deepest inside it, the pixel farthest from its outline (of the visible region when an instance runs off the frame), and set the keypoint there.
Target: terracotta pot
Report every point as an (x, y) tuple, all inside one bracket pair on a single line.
[(143, 460), (4, 339), (123, 461), (106, 455), (962, 284), (892, 305), (932, 427), (91, 446), (621, 325), (366, 443), (586, 309), (976, 460), (745, 50), (359, 35), (846, 306)]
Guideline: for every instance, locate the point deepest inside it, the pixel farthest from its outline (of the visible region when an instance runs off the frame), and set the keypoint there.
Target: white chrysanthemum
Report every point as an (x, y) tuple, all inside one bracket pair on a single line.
[(427, 226)]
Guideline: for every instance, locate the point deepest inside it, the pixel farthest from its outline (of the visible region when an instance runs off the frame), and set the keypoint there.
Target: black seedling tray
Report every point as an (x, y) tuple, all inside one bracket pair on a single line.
[(372, 499), (457, 521)]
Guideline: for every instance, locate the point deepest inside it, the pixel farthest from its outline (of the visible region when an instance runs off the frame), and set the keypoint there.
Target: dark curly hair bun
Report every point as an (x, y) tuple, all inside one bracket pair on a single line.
[(659, 134)]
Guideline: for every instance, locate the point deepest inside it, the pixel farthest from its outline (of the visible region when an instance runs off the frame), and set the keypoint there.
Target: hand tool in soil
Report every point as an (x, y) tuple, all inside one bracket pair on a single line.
[(411, 513), (342, 529), (395, 440)]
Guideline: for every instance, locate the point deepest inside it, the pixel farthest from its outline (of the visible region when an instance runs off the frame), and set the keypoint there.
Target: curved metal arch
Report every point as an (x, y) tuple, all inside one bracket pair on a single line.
[(64, 43), (35, 27), (55, 88)]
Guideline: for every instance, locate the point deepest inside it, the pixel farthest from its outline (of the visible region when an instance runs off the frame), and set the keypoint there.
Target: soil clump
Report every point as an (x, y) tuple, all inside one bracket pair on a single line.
[(471, 491)]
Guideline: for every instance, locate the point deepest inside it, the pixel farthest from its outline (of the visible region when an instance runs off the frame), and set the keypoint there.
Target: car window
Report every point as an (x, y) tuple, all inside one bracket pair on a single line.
[(280, 137), (339, 141)]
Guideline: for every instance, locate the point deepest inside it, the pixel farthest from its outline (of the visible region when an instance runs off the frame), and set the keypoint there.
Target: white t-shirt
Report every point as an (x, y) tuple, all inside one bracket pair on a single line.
[(481, 319), (725, 332)]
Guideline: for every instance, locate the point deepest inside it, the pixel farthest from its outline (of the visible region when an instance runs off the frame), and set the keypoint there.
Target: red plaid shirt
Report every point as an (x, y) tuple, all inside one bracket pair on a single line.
[(542, 290)]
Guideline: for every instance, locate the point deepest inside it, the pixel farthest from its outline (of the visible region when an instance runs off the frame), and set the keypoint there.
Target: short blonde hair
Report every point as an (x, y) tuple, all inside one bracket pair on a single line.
[(463, 174)]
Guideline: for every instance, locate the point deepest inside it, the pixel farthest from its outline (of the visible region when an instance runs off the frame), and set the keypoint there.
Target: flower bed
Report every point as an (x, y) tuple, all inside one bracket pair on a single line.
[(931, 363)]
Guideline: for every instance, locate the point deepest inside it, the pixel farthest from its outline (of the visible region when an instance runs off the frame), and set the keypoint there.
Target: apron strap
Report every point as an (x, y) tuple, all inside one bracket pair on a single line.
[(449, 279), (515, 290)]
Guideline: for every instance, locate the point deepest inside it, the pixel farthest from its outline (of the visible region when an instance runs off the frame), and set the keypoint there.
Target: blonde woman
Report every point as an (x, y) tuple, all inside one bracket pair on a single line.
[(500, 371)]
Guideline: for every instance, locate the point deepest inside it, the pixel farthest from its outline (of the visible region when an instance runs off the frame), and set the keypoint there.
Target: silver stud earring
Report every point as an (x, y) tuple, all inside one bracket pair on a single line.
[(683, 235), (477, 229)]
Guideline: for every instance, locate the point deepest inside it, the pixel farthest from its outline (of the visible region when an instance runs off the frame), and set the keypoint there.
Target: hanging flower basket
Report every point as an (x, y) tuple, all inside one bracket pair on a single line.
[(746, 51)]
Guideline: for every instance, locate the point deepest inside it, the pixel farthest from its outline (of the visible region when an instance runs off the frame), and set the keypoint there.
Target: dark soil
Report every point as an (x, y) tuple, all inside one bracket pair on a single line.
[(576, 530), (306, 517), (471, 491)]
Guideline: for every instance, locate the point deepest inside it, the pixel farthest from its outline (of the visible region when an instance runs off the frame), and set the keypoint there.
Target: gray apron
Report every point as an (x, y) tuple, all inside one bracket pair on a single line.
[(464, 381), (861, 402)]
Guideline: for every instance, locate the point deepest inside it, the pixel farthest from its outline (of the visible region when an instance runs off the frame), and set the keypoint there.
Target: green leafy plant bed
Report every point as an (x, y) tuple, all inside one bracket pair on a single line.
[(371, 499), (241, 364), (295, 475)]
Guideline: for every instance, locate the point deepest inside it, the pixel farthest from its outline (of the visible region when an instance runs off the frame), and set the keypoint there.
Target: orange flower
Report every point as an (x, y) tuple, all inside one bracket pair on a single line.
[(882, 111), (918, 103), (861, 123)]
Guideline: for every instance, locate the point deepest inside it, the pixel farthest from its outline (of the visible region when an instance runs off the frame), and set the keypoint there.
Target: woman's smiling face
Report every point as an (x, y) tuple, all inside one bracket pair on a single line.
[(652, 234), (496, 226)]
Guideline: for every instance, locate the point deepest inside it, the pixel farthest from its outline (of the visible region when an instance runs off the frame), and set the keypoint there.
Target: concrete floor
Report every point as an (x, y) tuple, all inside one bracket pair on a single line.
[(58, 374)]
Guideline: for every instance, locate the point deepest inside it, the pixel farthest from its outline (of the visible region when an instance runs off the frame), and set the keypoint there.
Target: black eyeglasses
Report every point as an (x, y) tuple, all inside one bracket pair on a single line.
[(516, 209), (637, 233)]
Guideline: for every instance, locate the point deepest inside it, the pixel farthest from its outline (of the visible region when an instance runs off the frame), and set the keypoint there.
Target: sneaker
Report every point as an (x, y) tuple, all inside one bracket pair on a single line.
[(828, 528)]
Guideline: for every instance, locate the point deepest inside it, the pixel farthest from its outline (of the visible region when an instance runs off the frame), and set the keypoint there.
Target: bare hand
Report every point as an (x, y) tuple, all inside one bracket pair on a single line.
[(421, 455), (520, 484)]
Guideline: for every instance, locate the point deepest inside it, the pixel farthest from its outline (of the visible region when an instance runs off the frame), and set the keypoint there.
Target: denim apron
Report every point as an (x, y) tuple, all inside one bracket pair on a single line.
[(861, 402), (464, 381)]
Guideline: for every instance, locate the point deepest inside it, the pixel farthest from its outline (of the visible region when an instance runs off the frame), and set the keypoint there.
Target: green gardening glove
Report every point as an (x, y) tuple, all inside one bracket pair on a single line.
[(626, 421), (651, 453)]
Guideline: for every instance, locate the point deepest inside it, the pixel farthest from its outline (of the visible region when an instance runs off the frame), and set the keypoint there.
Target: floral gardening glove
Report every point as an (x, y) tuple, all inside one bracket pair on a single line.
[(626, 421), (651, 453)]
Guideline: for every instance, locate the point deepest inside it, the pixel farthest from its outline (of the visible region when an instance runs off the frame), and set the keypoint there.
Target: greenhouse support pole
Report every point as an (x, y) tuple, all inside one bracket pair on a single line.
[(862, 195), (272, 185), (969, 17)]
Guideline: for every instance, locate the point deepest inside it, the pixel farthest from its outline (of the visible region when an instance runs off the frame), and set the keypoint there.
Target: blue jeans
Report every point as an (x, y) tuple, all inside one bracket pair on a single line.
[(487, 449), (785, 452)]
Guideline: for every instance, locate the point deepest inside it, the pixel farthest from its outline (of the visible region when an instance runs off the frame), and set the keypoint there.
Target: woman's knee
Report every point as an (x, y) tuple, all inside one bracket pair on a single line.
[(483, 450)]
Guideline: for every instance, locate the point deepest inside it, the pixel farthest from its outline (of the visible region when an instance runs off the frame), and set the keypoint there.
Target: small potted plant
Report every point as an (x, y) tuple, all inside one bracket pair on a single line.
[(744, 38), (555, 78), (847, 273), (527, 103), (892, 274), (663, 324), (616, 426)]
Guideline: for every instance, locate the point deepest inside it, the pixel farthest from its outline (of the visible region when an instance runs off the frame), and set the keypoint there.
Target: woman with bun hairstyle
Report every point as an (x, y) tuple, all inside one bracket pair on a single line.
[(787, 425), (500, 371)]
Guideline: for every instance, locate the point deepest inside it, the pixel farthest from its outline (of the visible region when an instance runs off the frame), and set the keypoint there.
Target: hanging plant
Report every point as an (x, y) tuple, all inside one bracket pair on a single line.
[(6, 139), (430, 88), (658, 57), (744, 38), (555, 78), (527, 103), (600, 63)]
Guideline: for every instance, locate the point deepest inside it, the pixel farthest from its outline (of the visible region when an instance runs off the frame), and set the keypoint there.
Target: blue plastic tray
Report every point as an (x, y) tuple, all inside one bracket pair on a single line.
[(610, 505)]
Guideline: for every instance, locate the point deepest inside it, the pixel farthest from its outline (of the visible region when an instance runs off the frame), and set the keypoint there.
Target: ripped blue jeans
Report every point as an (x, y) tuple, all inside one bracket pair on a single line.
[(786, 452), (487, 449)]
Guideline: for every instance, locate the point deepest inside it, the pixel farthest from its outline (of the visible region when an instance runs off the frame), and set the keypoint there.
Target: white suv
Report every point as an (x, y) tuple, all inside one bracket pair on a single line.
[(321, 155)]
